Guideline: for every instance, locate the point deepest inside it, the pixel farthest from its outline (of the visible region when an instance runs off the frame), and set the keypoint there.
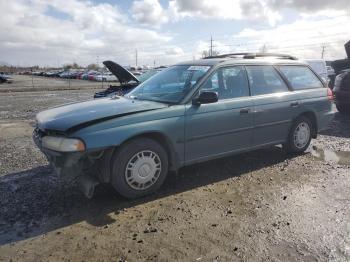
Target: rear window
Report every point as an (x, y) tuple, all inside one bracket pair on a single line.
[(301, 77), (265, 80)]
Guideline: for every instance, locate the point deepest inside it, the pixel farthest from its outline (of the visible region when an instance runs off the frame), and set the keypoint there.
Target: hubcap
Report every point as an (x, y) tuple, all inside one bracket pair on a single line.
[(301, 135), (143, 170)]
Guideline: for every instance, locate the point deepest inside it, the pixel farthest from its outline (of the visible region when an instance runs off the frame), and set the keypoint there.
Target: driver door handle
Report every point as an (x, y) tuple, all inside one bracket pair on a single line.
[(294, 104), (244, 111)]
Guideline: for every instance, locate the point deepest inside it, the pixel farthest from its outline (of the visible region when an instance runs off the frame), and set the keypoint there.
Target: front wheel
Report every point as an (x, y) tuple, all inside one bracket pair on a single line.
[(139, 167), (299, 137)]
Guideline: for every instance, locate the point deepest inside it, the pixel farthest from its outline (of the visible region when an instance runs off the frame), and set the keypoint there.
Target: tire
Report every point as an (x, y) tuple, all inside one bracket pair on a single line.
[(298, 144), (139, 168), (342, 109)]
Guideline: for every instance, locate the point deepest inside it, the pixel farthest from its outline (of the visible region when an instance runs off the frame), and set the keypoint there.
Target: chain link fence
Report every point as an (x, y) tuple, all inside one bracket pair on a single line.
[(32, 83)]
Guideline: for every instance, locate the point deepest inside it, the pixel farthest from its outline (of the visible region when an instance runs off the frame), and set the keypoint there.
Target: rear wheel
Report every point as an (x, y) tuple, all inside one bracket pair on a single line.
[(299, 136), (139, 168)]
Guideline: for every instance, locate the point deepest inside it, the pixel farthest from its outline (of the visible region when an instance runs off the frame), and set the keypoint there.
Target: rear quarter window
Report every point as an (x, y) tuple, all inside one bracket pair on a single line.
[(301, 77)]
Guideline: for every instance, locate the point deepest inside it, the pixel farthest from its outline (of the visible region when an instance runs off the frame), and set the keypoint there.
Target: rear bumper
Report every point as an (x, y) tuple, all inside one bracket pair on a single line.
[(325, 119)]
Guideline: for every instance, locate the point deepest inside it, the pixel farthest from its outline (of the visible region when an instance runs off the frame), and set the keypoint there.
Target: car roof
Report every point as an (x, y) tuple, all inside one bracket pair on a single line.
[(240, 61)]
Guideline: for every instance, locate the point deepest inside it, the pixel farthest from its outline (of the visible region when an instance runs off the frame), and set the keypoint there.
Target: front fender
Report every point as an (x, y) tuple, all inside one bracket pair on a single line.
[(113, 133)]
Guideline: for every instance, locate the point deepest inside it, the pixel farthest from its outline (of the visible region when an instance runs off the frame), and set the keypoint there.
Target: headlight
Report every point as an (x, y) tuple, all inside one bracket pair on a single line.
[(62, 144)]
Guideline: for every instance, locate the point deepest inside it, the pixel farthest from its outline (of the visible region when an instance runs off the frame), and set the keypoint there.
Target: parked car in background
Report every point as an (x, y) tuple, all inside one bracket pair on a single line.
[(64, 74), (319, 66), (53, 73), (79, 75), (342, 91), (188, 113), (38, 73), (91, 76), (84, 76), (4, 78), (127, 80), (106, 77), (330, 71)]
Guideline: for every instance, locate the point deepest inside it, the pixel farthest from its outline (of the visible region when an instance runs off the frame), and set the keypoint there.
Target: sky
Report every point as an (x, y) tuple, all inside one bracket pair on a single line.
[(57, 32)]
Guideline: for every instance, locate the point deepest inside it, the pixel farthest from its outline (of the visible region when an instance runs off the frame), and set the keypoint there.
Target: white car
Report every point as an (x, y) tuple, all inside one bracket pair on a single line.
[(108, 77)]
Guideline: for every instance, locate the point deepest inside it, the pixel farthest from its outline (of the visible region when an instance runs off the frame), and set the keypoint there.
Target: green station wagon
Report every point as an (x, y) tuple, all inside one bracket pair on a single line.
[(189, 113)]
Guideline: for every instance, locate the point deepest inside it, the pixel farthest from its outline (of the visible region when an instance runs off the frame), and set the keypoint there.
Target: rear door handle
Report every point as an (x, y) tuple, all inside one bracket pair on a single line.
[(244, 111), (294, 104)]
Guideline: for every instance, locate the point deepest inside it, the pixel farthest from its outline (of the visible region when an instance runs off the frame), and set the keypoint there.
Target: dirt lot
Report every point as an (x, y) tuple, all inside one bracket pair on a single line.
[(260, 206)]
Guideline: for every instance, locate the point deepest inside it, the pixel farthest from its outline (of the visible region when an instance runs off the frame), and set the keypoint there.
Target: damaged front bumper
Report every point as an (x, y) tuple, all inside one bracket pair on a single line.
[(66, 164), (70, 166)]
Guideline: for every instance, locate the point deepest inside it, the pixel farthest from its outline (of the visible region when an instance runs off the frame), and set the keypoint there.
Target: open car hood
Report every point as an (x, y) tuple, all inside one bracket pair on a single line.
[(123, 75)]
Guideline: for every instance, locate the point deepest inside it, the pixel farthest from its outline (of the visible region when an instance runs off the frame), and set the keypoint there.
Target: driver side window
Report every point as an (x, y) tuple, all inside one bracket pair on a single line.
[(228, 82)]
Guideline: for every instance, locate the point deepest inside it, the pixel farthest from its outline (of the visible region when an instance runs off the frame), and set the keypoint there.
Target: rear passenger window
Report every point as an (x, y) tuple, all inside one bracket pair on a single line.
[(265, 80), (301, 77)]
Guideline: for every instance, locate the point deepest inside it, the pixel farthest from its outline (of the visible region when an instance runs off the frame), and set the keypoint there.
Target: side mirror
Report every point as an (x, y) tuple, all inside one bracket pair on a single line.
[(206, 97)]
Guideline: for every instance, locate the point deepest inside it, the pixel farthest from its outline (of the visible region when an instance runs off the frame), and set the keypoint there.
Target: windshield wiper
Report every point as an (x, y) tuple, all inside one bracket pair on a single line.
[(162, 101), (153, 100)]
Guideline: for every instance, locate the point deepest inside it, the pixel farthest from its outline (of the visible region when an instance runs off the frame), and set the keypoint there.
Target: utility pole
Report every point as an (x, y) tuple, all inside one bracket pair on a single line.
[(31, 70), (323, 51), (136, 57), (211, 46)]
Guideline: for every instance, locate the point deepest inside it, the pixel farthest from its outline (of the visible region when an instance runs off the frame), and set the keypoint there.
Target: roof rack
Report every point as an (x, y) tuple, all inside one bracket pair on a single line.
[(253, 55)]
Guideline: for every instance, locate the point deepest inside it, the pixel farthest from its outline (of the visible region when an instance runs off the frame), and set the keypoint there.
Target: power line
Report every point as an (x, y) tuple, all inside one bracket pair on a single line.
[(233, 43)]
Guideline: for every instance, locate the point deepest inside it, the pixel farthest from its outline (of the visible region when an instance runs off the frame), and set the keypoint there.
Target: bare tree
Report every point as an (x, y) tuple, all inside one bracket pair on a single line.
[(71, 66), (93, 67)]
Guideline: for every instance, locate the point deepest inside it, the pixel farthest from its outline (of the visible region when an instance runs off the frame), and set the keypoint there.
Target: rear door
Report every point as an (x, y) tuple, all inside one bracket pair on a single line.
[(223, 127), (275, 106)]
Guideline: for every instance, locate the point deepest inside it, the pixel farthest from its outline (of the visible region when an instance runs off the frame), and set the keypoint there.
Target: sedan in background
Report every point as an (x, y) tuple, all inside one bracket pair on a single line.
[(5, 78)]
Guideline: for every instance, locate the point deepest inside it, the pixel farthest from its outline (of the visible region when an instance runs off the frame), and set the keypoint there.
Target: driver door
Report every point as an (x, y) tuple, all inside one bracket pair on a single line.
[(217, 129)]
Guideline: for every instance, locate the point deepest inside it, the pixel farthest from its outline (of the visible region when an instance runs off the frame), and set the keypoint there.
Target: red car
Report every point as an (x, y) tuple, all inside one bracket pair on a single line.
[(92, 75)]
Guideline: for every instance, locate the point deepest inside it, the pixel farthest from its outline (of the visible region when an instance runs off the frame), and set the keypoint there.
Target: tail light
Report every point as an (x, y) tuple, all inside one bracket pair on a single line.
[(330, 94)]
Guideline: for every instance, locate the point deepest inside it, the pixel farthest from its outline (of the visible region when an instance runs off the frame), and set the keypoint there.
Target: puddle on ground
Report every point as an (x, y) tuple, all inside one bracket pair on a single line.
[(328, 155)]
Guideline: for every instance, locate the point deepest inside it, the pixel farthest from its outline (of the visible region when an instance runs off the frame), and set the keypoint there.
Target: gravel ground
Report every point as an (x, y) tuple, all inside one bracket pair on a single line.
[(259, 206)]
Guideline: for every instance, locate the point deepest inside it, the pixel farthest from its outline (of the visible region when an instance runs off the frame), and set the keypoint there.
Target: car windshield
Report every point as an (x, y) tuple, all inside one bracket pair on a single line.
[(142, 78), (170, 85)]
